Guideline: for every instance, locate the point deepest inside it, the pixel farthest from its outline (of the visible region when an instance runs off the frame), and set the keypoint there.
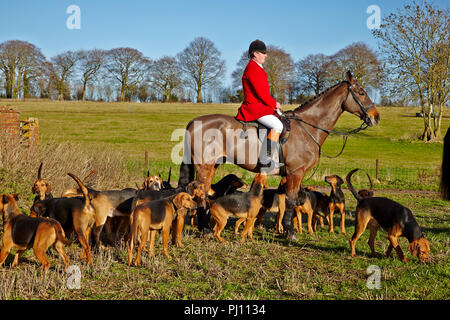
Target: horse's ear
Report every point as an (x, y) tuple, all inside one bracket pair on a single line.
[(349, 77)]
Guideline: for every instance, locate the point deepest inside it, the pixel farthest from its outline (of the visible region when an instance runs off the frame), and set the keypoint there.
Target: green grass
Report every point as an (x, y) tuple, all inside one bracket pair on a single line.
[(136, 128), (318, 266)]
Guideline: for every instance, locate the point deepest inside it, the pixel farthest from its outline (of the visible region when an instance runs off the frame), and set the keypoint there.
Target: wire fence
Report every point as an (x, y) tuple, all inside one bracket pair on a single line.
[(383, 176)]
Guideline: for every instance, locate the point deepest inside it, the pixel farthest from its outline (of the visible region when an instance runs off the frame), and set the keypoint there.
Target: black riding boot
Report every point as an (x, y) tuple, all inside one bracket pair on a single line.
[(265, 157)]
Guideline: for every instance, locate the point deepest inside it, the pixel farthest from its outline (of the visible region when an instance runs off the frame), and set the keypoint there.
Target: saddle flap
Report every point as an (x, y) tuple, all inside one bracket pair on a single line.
[(284, 136)]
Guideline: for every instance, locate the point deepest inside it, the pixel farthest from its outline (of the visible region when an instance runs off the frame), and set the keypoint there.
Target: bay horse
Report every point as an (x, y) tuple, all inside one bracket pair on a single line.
[(210, 139), (445, 168)]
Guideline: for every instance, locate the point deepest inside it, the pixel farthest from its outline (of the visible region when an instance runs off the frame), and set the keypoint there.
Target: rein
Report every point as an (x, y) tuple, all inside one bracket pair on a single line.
[(344, 135)]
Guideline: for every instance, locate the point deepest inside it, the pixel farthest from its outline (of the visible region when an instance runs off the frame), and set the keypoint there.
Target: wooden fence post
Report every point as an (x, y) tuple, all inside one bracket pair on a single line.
[(378, 169)]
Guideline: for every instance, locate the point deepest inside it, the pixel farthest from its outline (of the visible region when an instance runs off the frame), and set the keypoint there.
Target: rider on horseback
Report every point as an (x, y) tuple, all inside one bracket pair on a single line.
[(258, 103)]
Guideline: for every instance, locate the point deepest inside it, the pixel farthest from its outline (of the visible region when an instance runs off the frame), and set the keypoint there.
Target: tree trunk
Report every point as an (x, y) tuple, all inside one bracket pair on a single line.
[(26, 86), (8, 86), (427, 134), (83, 93), (199, 95), (167, 95), (61, 90), (122, 92), (437, 123)]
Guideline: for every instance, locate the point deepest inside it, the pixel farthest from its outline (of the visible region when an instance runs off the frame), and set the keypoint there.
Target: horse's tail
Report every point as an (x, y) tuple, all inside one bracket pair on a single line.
[(350, 186), (187, 170), (445, 170)]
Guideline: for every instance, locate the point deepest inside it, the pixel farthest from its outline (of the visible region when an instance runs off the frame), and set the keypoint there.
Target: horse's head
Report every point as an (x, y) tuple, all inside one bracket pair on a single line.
[(359, 103)]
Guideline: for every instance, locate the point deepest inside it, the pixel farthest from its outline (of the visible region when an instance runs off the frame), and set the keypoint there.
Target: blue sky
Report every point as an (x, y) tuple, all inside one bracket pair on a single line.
[(159, 28)]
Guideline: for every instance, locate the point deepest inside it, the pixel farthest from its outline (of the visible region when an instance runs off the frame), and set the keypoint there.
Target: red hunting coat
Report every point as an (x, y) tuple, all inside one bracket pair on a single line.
[(257, 99)]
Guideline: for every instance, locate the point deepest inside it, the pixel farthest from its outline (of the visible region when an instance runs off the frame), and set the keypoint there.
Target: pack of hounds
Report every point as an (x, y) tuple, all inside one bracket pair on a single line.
[(135, 215)]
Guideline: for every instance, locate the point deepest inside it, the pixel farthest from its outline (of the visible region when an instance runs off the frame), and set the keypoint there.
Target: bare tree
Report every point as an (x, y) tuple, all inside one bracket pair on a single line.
[(279, 67), (63, 67), (20, 62), (292, 90), (201, 64), (46, 82), (165, 76), (415, 43), (129, 67), (361, 60), (239, 71), (90, 62), (313, 73)]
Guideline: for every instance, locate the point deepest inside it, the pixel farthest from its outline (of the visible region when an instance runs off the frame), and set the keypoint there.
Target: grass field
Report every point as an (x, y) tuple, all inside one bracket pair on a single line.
[(136, 128), (318, 266)]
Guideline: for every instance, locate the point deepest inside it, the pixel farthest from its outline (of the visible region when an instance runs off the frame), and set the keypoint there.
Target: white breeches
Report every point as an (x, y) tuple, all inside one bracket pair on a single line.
[(271, 122)]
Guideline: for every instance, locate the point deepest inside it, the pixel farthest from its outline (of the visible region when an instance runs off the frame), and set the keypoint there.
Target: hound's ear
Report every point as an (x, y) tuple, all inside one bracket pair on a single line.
[(49, 189), (340, 181), (16, 196), (5, 199), (170, 173), (349, 77), (178, 200), (33, 189), (190, 187), (413, 246)]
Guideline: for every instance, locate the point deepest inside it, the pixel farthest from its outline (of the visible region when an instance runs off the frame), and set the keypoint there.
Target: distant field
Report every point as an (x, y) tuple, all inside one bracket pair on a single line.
[(135, 128), (112, 138)]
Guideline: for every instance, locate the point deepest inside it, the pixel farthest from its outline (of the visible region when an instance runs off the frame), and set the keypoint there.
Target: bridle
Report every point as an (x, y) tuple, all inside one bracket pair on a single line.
[(290, 115), (365, 117)]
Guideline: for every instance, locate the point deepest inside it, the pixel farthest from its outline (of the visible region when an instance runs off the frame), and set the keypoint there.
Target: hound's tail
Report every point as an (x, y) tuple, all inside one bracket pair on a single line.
[(84, 190), (445, 170), (350, 186), (40, 171), (371, 182)]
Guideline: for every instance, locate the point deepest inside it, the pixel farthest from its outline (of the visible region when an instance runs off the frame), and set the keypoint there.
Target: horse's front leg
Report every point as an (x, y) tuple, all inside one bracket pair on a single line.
[(294, 181), (205, 175)]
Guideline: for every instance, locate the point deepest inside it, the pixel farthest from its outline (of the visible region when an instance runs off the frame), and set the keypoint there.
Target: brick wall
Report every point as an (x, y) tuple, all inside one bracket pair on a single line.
[(30, 131), (13, 130), (9, 124)]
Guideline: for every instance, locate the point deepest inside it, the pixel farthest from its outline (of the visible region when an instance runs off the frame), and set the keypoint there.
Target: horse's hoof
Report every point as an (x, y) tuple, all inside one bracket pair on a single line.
[(206, 230), (291, 236)]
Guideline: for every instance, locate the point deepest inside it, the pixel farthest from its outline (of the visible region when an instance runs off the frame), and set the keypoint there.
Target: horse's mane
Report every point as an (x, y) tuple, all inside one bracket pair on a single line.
[(310, 102)]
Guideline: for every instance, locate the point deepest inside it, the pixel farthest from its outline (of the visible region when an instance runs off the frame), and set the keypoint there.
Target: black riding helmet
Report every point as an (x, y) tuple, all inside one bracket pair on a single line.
[(256, 45)]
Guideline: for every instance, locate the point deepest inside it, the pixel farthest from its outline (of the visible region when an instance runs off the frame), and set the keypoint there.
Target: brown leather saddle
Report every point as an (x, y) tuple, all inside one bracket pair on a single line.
[(284, 136)]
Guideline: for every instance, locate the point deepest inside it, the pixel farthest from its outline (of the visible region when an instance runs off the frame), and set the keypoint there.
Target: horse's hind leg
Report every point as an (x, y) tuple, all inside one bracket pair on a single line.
[(292, 187)]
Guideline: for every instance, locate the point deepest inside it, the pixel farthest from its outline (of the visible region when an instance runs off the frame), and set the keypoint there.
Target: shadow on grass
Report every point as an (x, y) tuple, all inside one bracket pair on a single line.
[(436, 231)]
